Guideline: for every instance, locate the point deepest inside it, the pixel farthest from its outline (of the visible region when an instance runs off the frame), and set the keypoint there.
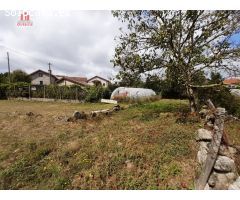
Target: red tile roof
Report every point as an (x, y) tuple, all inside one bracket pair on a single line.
[(231, 81), (80, 79), (76, 80), (99, 78)]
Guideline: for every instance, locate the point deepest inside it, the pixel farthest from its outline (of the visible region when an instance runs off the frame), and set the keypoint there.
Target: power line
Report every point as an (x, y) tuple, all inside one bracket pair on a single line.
[(23, 54)]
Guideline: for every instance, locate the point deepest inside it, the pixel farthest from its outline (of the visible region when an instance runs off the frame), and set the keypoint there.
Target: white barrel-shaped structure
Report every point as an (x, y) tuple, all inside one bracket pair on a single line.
[(127, 92)]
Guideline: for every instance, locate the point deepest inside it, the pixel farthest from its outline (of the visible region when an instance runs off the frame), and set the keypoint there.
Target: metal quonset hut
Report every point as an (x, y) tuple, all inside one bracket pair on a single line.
[(126, 92)]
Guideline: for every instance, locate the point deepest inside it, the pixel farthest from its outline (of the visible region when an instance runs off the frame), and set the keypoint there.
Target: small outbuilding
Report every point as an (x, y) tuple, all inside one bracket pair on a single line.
[(132, 93)]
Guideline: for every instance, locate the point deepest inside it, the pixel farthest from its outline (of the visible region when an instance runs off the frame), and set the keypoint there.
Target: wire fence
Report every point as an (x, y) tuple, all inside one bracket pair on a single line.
[(75, 93), (42, 91)]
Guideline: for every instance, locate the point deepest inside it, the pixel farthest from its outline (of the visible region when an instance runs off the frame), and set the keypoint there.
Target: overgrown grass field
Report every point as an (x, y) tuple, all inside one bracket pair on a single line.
[(143, 147)]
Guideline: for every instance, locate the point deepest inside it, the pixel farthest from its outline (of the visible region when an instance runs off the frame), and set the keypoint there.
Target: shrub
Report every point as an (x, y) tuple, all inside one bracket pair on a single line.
[(19, 89), (95, 93), (3, 89), (221, 97), (137, 100), (172, 90), (61, 92), (75, 92)]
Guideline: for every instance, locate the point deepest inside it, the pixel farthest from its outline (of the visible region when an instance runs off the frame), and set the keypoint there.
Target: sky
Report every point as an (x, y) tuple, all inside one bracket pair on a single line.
[(77, 43)]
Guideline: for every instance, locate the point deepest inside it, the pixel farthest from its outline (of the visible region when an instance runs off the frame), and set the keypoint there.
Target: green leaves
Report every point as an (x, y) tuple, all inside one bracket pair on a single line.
[(183, 41), (184, 35)]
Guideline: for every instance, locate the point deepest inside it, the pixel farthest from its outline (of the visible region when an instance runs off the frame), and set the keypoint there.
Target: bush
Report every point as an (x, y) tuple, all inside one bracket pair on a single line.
[(95, 93), (19, 89), (171, 90), (221, 97), (74, 92), (138, 100), (3, 89)]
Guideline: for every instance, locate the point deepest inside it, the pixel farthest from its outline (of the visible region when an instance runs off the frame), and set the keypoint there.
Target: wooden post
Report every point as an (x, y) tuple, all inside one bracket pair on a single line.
[(44, 92), (14, 89), (214, 146), (9, 71), (210, 105), (76, 94), (60, 93)]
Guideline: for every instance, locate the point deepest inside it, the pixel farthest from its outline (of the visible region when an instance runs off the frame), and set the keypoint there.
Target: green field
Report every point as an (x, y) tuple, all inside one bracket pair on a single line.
[(146, 146)]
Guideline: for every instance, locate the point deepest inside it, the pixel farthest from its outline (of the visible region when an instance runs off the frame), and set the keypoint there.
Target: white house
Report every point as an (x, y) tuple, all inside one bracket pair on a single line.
[(41, 77), (97, 80)]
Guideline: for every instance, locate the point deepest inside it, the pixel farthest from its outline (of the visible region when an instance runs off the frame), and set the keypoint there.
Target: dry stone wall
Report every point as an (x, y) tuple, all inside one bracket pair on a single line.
[(224, 174)]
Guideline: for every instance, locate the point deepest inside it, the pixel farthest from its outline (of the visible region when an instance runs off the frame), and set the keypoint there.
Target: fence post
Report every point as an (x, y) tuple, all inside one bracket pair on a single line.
[(14, 93), (76, 94), (218, 129), (60, 92), (44, 92), (29, 91)]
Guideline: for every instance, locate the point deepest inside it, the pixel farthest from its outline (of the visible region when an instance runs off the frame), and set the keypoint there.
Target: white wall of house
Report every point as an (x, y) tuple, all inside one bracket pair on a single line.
[(39, 76), (103, 82)]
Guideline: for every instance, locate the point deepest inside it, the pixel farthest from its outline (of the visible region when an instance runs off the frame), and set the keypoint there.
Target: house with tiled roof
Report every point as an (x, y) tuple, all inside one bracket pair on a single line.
[(41, 77), (67, 80), (97, 80), (232, 82)]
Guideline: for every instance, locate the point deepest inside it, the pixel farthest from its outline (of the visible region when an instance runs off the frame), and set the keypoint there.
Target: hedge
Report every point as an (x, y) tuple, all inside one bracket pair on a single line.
[(73, 92)]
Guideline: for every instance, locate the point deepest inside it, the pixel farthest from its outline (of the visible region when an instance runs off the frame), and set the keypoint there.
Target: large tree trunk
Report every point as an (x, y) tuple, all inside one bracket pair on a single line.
[(192, 99)]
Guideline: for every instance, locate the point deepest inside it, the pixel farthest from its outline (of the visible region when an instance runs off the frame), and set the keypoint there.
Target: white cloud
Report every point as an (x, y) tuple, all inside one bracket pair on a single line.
[(79, 43)]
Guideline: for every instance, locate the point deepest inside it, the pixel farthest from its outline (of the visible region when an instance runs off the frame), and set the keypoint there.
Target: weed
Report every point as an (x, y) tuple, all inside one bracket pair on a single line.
[(32, 146), (62, 183), (149, 115), (42, 152), (82, 161)]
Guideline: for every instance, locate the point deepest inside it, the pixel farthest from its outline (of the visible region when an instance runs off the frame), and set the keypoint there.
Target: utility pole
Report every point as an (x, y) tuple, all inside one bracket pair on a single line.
[(9, 75), (50, 72)]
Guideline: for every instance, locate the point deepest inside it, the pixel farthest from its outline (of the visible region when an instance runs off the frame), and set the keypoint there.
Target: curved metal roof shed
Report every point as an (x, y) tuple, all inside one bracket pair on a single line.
[(127, 92)]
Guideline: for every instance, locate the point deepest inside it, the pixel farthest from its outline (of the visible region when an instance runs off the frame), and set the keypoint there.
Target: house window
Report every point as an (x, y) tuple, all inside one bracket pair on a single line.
[(103, 84), (40, 74), (41, 83)]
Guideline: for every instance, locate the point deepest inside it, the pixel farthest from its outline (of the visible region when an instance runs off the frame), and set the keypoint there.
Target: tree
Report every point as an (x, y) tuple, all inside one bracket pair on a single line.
[(126, 79), (154, 82), (187, 42), (216, 78), (20, 76), (4, 77)]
